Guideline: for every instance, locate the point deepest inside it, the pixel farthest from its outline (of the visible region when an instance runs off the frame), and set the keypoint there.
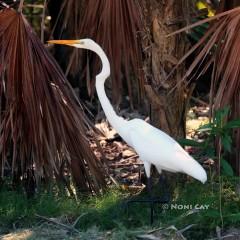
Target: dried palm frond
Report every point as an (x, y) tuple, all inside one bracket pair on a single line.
[(68, 18), (41, 121), (115, 25), (219, 48)]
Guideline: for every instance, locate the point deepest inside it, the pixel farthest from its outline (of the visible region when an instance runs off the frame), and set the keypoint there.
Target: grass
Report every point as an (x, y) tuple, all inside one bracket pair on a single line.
[(108, 212)]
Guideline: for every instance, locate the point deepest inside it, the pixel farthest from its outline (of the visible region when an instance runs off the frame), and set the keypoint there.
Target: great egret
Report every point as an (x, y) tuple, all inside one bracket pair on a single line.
[(151, 144)]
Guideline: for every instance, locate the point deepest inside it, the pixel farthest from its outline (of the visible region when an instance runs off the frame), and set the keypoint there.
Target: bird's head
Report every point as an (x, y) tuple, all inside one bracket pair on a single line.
[(88, 44), (81, 43)]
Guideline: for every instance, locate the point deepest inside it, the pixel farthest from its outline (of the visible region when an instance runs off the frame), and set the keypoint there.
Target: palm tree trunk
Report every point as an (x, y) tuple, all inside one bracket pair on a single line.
[(168, 107)]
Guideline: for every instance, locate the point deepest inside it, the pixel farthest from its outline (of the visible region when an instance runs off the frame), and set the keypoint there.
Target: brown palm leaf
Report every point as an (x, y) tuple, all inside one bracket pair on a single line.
[(115, 25), (220, 49), (40, 118)]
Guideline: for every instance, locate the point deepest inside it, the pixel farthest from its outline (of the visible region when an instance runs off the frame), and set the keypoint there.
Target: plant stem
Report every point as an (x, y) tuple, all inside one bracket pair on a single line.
[(20, 8), (220, 182)]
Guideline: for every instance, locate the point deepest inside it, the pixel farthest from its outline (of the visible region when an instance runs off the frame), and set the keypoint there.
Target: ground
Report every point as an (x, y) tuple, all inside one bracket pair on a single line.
[(125, 169)]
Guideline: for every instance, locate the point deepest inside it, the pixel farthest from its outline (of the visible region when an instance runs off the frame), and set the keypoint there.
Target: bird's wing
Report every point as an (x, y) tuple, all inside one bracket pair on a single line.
[(158, 148), (153, 145)]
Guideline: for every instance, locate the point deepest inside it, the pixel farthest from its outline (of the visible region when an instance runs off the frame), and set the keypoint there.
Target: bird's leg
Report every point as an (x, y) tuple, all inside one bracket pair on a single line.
[(147, 167), (150, 199), (165, 188), (149, 189), (162, 180)]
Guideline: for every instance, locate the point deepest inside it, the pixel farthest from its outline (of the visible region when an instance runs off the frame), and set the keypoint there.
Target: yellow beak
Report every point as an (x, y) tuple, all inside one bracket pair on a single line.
[(65, 42)]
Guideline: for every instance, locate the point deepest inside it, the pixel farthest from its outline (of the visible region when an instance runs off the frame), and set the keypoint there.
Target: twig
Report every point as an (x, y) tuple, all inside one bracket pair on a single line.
[(77, 220), (132, 157), (155, 230), (223, 237), (124, 164), (70, 228), (35, 5), (199, 101), (186, 228), (20, 8), (114, 180)]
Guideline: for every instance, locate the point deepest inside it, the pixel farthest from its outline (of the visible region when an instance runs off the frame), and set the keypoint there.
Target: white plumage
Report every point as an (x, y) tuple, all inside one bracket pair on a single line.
[(151, 144)]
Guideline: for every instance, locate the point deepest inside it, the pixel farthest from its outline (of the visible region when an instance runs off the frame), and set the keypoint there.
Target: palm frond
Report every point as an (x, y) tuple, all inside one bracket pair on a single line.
[(40, 118), (219, 48), (115, 25)]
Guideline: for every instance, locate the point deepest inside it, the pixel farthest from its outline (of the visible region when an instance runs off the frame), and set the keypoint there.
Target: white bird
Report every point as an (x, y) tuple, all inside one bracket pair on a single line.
[(151, 144)]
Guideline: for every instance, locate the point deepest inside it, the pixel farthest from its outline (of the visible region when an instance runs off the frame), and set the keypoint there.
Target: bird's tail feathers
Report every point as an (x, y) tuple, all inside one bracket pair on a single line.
[(194, 169)]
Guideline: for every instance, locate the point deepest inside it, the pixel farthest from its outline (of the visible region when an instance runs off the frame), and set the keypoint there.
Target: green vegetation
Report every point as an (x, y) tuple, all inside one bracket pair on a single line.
[(217, 142), (108, 212)]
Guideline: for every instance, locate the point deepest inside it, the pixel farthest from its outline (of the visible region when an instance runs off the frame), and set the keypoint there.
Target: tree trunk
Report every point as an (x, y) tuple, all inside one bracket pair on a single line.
[(168, 98)]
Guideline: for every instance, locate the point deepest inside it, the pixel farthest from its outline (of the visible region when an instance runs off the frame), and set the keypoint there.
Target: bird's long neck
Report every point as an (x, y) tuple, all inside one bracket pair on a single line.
[(113, 118)]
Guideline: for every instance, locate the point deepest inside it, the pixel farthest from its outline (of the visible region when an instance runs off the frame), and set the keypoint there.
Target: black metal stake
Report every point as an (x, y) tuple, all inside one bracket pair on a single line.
[(151, 200)]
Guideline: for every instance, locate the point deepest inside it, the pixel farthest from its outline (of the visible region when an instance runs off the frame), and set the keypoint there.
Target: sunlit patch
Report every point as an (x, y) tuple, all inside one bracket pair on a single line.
[(20, 235), (204, 5)]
